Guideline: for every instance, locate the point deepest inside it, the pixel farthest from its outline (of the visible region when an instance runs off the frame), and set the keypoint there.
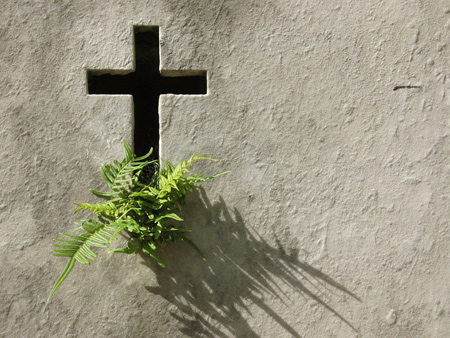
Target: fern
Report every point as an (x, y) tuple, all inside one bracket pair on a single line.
[(144, 209), (77, 247), (122, 176)]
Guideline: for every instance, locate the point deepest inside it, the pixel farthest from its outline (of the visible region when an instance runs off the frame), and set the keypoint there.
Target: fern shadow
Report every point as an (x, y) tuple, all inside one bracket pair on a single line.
[(213, 298)]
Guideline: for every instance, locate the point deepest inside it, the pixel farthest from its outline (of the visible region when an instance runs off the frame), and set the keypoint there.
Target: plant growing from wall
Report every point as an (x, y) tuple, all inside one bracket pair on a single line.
[(140, 206)]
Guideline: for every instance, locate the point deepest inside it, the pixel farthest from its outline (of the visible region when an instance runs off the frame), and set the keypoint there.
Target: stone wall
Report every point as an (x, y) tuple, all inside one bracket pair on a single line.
[(334, 119)]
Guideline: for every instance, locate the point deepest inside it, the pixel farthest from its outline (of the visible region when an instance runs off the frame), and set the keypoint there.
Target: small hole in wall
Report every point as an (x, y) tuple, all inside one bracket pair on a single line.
[(146, 84)]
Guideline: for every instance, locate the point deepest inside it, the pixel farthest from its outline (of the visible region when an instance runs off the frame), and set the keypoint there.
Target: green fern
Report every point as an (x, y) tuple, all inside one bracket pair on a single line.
[(77, 247), (145, 210)]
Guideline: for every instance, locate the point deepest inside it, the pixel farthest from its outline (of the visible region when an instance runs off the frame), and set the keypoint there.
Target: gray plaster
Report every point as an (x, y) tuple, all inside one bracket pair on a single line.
[(334, 221)]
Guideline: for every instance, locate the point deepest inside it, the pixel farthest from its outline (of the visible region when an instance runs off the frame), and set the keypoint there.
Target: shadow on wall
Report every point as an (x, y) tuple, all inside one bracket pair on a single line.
[(242, 269)]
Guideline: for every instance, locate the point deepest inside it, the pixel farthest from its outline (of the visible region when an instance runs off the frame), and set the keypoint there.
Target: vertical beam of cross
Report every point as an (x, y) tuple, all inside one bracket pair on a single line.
[(146, 84)]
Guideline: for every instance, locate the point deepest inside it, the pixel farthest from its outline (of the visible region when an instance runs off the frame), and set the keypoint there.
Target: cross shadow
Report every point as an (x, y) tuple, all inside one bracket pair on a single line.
[(241, 269)]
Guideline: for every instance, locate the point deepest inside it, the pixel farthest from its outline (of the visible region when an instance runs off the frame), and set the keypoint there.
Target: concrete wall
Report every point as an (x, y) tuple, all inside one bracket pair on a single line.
[(335, 219)]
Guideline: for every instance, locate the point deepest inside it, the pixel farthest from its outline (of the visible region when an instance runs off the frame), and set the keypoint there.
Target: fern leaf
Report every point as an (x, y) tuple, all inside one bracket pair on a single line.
[(142, 158), (107, 178), (120, 176), (103, 194), (79, 238), (77, 247), (66, 241), (67, 269), (106, 207), (110, 173), (171, 215), (214, 176), (128, 153)]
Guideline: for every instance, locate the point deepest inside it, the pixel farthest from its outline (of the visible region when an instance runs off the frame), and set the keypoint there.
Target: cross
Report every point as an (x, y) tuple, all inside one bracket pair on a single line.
[(146, 84)]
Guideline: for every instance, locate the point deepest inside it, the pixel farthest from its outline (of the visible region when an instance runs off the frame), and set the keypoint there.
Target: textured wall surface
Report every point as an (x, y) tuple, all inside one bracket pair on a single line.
[(335, 219)]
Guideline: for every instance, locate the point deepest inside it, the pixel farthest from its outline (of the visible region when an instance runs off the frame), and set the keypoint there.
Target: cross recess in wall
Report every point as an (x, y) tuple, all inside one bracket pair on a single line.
[(146, 84)]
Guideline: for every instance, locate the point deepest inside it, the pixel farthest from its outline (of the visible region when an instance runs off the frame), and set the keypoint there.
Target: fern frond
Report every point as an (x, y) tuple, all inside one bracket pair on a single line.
[(103, 194), (105, 207), (122, 176), (77, 247), (67, 269), (142, 158)]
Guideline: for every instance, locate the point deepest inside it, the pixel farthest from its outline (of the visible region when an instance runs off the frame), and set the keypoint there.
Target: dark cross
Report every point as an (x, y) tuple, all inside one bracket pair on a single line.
[(146, 84)]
